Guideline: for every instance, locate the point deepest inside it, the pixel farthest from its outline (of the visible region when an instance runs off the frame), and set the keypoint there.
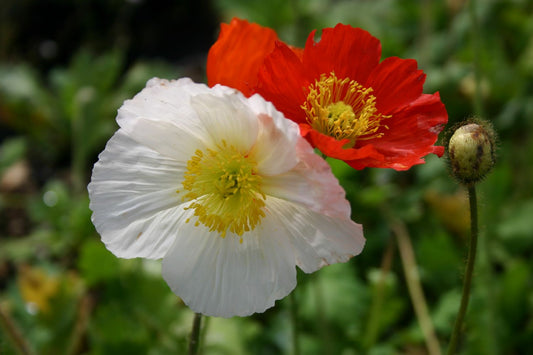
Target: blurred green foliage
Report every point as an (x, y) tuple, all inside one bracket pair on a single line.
[(65, 293)]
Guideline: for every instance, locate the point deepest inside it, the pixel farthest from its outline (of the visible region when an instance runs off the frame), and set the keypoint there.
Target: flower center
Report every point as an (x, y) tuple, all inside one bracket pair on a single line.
[(343, 109), (226, 190)]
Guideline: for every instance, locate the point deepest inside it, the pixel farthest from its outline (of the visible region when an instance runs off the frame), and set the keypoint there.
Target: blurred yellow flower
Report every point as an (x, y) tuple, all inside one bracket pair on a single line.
[(37, 288)]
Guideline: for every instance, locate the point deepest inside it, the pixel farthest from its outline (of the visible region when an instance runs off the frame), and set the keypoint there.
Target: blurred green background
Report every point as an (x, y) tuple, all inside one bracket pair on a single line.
[(66, 67)]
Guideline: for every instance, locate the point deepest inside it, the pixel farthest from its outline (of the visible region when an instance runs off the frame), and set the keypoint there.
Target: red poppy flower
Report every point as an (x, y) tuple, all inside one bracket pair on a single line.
[(348, 104)]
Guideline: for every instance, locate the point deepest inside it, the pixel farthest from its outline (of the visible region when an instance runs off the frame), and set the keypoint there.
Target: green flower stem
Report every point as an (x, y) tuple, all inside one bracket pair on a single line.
[(195, 334), (467, 283), (294, 322)]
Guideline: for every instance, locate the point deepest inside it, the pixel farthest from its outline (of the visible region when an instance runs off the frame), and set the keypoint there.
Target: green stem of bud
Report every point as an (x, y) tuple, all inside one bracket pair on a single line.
[(467, 283)]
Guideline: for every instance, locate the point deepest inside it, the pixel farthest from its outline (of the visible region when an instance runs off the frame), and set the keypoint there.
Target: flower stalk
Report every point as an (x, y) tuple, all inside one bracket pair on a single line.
[(194, 339), (467, 283)]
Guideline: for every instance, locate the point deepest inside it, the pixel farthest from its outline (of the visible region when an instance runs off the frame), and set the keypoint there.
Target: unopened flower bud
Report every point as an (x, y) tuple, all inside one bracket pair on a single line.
[(472, 152)]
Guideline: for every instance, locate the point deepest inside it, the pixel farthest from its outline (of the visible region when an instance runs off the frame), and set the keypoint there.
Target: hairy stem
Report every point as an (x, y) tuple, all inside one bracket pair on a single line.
[(467, 283)]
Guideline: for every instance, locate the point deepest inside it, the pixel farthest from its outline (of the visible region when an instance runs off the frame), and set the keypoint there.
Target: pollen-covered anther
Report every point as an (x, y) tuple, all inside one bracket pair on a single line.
[(343, 109), (225, 190)]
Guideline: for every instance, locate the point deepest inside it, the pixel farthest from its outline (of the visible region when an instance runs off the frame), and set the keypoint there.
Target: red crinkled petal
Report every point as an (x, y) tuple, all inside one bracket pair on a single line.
[(334, 148), (235, 58), (282, 80), (349, 52), (412, 132), (396, 82)]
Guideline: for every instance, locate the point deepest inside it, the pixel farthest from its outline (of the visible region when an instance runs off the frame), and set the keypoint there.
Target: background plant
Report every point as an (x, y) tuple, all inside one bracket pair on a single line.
[(63, 76)]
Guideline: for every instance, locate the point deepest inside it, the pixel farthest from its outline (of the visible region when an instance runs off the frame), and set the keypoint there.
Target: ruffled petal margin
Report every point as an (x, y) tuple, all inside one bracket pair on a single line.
[(412, 133), (349, 52), (317, 239), (222, 277), (225, 277), (132, 190)]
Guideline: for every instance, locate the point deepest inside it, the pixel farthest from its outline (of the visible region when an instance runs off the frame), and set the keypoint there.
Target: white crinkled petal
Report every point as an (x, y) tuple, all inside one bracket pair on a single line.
[(221, 277), (165, 100), (317, 239), (227, 118), (132, 188), (166, 105), (167, 139)]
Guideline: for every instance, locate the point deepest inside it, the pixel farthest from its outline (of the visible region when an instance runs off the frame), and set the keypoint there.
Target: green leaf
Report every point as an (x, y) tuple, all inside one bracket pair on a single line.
[(96, 263)]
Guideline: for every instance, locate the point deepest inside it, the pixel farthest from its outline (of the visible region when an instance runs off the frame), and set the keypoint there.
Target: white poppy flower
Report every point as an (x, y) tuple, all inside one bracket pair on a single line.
[(225, 190)]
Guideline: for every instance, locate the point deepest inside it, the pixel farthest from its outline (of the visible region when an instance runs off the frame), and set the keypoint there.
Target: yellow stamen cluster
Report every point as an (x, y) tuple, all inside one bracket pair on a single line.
[(343, 109), (226, 190)]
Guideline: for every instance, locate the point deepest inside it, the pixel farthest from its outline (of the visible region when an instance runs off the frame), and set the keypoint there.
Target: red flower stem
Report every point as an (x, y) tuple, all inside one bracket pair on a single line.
[(469, 270)]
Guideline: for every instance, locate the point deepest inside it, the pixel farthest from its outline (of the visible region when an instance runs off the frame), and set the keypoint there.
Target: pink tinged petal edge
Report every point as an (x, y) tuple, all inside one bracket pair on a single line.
[(274, 149), (221, 277), (132, 192), (317, 239), (311, 183)]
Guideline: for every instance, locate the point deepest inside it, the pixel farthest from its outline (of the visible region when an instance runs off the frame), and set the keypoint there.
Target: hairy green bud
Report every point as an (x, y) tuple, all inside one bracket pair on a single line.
[(471, 152)]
